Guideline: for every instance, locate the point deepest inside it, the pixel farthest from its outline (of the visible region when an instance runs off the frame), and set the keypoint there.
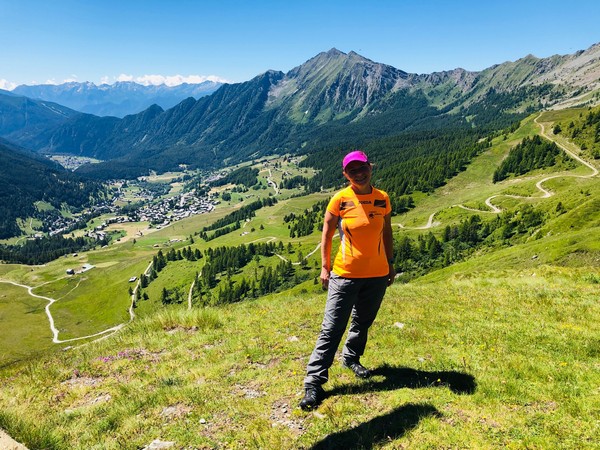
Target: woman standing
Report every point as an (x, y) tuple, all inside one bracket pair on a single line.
[(362, 270)]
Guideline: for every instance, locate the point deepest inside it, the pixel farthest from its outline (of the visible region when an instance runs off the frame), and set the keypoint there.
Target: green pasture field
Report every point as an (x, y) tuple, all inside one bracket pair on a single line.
[(166, 177), (489, 360), (98, 299), (92, 301), (30, 225), (43, 206), (13, 240), (25, 328)]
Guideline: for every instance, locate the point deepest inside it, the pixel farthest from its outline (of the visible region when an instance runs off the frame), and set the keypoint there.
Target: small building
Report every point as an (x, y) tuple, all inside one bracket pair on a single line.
[(86, 267)]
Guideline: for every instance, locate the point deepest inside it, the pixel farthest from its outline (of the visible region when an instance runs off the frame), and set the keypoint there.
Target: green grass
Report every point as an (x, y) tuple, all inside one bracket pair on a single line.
[(25, 329), (483, 361), (43, 206), (77, 313), (499, 350)]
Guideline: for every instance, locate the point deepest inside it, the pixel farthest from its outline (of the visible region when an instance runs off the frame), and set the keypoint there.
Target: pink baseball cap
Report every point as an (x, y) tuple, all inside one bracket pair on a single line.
[(356, 155)]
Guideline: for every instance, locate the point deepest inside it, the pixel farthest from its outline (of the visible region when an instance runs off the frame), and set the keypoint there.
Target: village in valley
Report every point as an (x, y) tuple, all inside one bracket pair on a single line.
[(132, 203), (160, 200)]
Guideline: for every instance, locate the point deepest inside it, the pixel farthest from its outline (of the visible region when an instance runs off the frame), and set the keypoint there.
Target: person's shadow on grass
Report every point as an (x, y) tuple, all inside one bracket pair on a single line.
[(387, 427), (400, 420), (387, 378)]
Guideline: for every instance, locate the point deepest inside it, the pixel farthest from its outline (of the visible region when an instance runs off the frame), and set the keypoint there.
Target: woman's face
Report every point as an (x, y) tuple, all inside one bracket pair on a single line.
[(358, 173)]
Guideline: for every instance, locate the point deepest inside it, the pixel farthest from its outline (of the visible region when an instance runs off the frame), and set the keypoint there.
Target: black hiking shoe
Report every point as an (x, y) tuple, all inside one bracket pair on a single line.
[(312, 398), (359, 370)]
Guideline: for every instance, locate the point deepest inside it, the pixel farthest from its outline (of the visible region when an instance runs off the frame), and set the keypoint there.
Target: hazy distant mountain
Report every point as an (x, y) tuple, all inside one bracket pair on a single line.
[(332, 99), (118, 99), (28, 117)]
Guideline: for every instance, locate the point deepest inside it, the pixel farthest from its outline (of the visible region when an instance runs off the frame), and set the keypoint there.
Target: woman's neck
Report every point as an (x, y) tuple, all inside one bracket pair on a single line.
[(362, 190)]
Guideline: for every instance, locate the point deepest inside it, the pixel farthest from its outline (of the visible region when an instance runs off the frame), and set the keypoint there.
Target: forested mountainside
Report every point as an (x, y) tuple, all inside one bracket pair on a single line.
[(412, 161), (26, 178), (118, 99), (333, 99), (25, 117)]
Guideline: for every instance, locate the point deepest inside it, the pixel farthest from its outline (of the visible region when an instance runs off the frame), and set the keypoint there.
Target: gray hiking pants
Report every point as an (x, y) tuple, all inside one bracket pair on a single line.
[(359, 297)]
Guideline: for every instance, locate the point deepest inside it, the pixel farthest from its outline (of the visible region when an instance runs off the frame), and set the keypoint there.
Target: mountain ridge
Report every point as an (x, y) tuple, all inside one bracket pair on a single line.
[(285, 112), (24, 116), (118, 99)]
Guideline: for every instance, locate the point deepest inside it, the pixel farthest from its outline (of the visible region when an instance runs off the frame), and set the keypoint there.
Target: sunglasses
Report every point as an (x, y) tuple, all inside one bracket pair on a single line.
[(359, 169)]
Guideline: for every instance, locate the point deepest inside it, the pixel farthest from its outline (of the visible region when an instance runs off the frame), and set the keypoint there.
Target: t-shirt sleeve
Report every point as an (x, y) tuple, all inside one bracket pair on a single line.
[(334, 205), (388, 205)]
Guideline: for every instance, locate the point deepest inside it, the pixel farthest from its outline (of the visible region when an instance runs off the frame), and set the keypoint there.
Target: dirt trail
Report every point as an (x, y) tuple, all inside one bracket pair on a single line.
[(430, 223), (8, 443), (270, 182), (545, 192), (55, 331)]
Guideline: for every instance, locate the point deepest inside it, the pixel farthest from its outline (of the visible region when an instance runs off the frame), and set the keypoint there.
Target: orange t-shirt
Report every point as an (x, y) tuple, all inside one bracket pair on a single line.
[(362, 251)]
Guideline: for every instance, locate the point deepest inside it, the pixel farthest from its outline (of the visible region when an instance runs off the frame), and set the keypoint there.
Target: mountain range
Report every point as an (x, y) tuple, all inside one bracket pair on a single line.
[(333, 99), (118, 99), (172, 336), (26, 117)]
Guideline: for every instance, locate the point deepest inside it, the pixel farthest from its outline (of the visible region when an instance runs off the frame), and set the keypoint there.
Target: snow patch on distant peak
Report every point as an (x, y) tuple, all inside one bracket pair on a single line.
[(168, 80)]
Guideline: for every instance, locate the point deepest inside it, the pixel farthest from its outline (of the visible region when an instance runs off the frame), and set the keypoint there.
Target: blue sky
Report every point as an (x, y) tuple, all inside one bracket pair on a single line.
[(150, 41)]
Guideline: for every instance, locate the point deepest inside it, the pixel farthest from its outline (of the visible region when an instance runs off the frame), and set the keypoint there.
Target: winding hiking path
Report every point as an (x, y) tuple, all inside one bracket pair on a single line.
[(55, 332), (430, 223), (270, 182), (53, 328), (283, 258), (569, 152), (190, 294), (545, 193)]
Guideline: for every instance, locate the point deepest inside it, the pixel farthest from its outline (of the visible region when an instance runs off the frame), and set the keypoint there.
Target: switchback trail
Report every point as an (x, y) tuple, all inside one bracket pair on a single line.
[(539, 185), (545, 193)]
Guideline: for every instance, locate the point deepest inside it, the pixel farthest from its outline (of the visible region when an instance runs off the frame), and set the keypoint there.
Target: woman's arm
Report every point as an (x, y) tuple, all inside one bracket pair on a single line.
[(388, 243), (329, 225)]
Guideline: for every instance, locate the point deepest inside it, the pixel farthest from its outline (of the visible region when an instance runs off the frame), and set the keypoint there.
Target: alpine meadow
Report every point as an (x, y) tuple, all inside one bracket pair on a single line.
[(160, 267)]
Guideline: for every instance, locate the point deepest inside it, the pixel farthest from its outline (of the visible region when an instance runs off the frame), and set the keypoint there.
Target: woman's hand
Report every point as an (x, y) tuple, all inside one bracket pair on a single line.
[(324, 278), (391, 274)]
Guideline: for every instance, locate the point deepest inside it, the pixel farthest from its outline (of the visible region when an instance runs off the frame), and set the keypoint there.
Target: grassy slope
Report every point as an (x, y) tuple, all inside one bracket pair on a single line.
[(500, 350), (36, 335), (482, 362), (98, 299)]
